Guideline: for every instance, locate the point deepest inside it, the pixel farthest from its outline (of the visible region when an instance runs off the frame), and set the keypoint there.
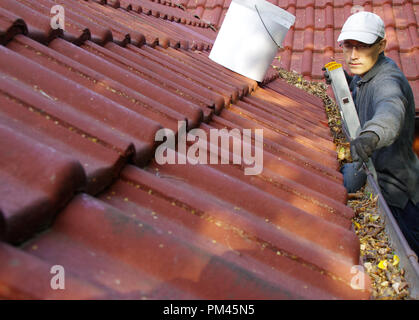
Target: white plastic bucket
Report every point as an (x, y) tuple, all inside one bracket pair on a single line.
[(249, 37)]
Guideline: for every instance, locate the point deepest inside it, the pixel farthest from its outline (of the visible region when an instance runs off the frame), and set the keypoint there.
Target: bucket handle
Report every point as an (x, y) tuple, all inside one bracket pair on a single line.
[(266, 27)]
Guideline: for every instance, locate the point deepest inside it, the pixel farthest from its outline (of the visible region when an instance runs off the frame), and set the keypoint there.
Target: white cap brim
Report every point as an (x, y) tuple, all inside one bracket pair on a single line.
[(364, 37)]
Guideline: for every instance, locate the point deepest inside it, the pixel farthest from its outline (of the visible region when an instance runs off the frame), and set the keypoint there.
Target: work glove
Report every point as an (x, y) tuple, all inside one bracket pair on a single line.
[(326, 76), (363, 147)]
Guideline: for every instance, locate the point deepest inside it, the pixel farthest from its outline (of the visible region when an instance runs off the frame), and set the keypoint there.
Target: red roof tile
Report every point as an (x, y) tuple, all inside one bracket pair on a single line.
[(88, 107), (146, 228), (19, 268), (10, 25), (38, 24), (29, 113), (32, 191), (76, 111)]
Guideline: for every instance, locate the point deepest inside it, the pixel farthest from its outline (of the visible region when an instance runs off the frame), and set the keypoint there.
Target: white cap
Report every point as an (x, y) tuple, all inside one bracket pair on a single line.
[(362, 26)]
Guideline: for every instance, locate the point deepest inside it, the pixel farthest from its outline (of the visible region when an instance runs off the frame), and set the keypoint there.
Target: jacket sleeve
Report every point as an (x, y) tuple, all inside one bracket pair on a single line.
[(389, 105)]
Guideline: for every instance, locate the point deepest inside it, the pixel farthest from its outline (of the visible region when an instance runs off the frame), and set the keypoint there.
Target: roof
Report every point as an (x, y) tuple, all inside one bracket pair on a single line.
[(311, 41), (80, 111)]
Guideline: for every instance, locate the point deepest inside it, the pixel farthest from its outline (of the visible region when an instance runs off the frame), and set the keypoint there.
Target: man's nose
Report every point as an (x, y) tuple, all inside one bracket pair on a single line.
[(354, 52)]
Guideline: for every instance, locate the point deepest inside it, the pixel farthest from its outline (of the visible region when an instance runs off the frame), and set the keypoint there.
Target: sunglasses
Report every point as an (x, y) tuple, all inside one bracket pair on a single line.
[(358, 45)]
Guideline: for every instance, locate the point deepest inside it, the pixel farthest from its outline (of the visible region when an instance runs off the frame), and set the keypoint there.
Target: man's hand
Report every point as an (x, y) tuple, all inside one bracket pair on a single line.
[(326, 76), (363, 147)]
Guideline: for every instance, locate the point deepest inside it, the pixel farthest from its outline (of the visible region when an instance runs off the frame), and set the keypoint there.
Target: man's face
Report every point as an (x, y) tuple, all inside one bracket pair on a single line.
[(361, 57)]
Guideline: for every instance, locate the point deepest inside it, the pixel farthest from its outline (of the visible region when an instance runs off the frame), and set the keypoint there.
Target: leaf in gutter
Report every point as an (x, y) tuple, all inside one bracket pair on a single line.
[(341, 153), (382, 265)]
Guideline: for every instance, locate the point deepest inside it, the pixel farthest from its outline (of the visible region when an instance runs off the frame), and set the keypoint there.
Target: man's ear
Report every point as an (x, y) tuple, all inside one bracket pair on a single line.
[(383, 44)]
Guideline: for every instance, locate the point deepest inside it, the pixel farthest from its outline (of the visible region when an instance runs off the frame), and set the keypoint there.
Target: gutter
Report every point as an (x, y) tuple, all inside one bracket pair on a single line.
[(409, 261), (408, 258)]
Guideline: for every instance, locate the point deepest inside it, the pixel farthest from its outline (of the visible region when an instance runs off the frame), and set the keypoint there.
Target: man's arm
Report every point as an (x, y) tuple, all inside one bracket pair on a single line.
[(389, 112)]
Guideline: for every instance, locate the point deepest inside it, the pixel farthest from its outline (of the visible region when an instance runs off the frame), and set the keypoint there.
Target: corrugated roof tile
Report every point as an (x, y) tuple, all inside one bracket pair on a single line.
[(187, 89), (39, 26), (278, 153), (278, 168), (10, 26), (91, 106), (181, 77), (19, 268), (410, 62), (32, 191), (25, 112), (163, 11), (161, 190), (189, 72), (78, 27), (116, 67), (157, 258), (167, 231), (234, 88)]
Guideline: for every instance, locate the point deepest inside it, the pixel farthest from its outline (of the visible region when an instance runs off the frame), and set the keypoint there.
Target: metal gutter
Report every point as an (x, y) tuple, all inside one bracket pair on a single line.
[(408, 258)]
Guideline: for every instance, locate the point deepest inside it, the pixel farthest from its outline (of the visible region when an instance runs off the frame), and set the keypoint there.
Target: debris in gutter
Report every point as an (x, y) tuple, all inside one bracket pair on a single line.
[(379, 259)]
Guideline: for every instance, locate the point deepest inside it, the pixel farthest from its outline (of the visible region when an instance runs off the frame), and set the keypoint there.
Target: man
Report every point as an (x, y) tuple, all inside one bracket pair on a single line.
[(386, 109)]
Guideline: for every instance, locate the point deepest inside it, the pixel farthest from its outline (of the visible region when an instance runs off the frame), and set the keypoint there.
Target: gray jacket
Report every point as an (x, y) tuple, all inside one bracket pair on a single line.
[(385, 105)]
